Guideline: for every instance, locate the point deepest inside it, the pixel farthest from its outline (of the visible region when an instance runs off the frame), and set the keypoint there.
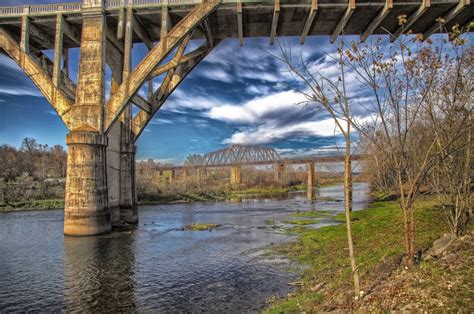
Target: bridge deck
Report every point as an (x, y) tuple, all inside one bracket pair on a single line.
[(257, 17)]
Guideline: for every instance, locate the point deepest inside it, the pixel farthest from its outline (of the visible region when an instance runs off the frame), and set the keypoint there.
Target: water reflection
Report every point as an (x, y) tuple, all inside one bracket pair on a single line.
[(99, 272), (159, 266)]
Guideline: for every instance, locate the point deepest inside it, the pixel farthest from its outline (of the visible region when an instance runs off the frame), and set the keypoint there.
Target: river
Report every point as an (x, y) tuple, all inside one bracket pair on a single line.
[(159, 266)]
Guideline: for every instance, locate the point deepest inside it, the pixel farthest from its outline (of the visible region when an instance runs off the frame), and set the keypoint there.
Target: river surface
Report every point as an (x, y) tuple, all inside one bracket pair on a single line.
[(159, 266)]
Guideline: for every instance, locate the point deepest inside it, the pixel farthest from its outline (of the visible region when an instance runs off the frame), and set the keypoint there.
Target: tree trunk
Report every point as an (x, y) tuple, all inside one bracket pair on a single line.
[(406, 220), (348, 209)]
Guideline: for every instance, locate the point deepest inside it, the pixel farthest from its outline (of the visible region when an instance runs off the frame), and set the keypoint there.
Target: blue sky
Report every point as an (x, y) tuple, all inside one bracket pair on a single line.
[(237, 95)]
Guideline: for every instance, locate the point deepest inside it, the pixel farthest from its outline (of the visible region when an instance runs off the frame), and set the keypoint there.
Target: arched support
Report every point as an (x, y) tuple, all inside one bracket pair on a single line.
[(120, 99), (176, 71), (56, 97)]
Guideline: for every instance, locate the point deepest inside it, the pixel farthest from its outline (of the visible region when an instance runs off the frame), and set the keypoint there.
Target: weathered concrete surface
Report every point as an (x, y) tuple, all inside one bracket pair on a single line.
[(128, 199), (86, 210)]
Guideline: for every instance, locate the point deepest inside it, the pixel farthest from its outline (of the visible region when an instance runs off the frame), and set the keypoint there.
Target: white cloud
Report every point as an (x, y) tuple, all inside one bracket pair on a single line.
[(217, 74), (180, 101), (254, 110), (20, 91), (159, 121), (265, 134), (258, 89)]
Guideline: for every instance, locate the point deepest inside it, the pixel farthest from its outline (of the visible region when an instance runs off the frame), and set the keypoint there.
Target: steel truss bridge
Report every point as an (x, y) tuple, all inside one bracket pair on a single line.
[(237, 156), (250, 155), (100, 184)]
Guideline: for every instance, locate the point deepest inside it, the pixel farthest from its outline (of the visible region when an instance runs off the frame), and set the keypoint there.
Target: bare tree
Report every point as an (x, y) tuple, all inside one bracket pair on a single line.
[(402, 84), (330, 94), (450, 116)]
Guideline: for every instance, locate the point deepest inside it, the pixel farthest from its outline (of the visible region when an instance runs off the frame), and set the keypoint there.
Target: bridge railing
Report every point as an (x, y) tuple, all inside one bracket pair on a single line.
[(53, 8), (5, 11), (47, 9)]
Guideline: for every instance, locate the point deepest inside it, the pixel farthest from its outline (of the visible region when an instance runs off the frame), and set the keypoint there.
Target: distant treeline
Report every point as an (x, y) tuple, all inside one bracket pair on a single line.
[(32, 172), (32, 159)]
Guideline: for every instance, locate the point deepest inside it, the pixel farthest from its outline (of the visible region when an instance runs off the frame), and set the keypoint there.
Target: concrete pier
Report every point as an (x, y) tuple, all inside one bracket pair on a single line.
[(236, 175), (86, 210), (128, 195), (310, 177), (279, 172)]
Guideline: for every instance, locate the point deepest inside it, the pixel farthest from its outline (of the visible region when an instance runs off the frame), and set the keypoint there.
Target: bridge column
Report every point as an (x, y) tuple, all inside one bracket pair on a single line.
[(236, 175), (86, 210), (279, 171), (201, 172), (172, 176), (128, 196), (310, 176)]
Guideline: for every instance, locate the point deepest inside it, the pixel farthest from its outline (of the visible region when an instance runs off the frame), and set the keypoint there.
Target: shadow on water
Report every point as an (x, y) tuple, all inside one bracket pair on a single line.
[(99, 273)]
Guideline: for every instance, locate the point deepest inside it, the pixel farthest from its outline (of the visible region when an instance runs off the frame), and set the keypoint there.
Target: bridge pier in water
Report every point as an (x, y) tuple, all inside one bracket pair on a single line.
[(172, 176), (201, 173), (86, 210), (310, 177), (236, 175), (279, 172)]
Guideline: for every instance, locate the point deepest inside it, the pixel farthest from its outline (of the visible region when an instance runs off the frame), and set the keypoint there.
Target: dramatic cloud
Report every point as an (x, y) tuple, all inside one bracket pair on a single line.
[(261, 109), (266, 134)]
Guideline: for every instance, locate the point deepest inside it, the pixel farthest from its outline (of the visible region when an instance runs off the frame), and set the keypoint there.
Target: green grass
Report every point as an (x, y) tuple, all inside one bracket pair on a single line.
[(313, 214), (378, 234), (301, 222), (202, 227), (33, 205)]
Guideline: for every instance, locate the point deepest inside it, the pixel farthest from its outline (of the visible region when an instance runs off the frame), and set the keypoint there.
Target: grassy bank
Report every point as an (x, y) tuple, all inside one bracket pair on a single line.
[(209, 196), (378, 233), (32, 205)]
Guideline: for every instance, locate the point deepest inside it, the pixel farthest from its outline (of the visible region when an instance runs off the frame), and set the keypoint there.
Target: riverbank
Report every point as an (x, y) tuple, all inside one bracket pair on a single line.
[(378, 233), (32, 205), (218, 195), (158, 199)]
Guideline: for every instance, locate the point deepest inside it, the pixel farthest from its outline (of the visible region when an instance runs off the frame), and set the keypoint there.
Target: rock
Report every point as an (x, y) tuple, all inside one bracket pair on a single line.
[(440, 246), (317, 287)]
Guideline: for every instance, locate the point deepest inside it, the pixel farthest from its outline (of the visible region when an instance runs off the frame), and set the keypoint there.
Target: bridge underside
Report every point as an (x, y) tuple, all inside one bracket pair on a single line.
[(233, 19), (100, 185)]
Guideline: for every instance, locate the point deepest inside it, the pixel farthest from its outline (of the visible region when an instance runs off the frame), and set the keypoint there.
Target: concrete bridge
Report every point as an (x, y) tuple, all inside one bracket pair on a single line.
[(100, 185)]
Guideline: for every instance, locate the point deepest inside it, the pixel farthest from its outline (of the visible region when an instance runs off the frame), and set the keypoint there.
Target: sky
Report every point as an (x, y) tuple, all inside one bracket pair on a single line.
[(237, 95)]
